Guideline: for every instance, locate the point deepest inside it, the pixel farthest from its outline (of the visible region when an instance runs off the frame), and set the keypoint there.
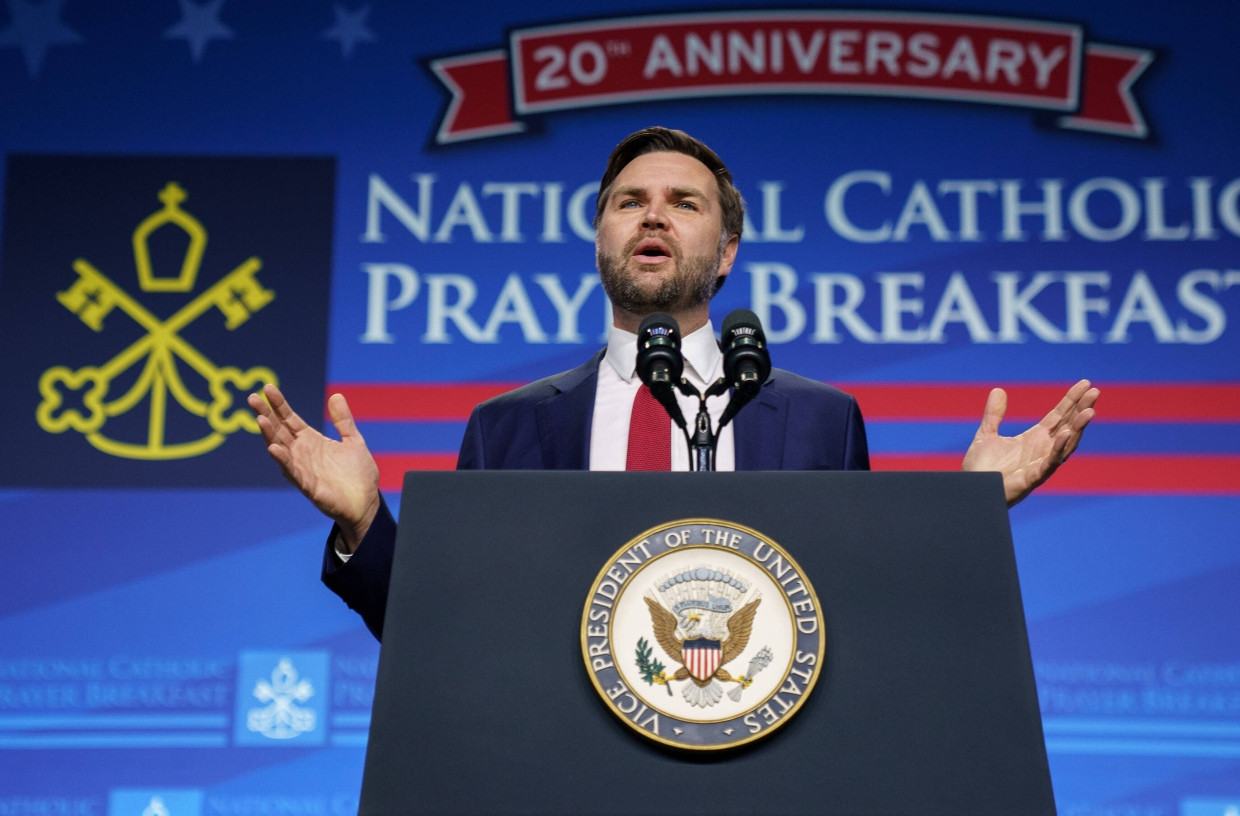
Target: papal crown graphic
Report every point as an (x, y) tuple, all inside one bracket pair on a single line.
[(162, 363)]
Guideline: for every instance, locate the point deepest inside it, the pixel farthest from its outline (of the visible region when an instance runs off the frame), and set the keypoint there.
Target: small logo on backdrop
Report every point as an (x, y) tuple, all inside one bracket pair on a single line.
[(161, 802), (281, 698), (149, 296), (702, 634)]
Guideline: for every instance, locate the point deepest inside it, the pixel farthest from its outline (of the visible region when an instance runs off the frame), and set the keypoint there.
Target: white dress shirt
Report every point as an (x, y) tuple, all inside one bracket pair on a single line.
[(618, 384)]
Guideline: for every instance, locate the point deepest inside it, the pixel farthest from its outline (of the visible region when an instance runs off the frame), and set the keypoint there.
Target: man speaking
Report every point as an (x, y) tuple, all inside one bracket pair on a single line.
[(667, 228)]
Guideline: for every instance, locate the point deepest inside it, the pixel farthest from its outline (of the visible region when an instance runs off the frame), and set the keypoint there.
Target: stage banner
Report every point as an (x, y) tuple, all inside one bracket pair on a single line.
[(394, 201)]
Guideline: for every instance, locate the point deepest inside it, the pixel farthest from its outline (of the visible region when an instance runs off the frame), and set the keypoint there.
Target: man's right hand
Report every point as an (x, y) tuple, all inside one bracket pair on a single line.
[(341, 478)]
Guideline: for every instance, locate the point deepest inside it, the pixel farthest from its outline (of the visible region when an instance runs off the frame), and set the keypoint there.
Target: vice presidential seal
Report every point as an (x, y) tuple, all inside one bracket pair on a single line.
[(702, 634)]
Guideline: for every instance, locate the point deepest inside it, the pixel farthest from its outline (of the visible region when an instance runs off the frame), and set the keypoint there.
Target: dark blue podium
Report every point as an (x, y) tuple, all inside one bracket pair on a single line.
[(926, 704)]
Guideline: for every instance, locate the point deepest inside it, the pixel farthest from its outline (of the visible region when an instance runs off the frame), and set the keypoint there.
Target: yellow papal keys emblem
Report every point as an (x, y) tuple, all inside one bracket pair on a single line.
[(154, 367)]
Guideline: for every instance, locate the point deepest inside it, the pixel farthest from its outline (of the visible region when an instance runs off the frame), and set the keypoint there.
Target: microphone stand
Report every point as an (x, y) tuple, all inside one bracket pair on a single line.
[(746, 365), (704, 440)]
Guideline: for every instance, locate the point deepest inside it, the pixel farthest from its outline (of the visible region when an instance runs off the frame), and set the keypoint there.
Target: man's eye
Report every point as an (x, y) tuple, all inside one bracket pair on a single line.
[(687, 205)]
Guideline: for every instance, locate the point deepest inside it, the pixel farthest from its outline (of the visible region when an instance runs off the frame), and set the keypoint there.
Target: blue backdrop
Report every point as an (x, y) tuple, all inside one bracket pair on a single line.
[(393, 200)]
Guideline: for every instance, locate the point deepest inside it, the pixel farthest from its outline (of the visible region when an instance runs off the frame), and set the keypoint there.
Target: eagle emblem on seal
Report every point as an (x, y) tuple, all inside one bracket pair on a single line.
[(701, 629)]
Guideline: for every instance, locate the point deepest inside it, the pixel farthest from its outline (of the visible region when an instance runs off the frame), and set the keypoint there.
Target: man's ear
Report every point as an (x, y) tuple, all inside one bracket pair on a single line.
[(729, 255)]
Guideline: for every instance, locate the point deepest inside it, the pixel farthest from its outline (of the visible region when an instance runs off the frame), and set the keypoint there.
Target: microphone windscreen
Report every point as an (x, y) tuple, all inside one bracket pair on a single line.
[(658, 351), (742, 317), (659, 324), (746, 362)]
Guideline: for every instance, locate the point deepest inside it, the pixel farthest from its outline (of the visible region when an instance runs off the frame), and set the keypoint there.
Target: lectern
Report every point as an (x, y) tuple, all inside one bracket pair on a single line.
[(924, 703)]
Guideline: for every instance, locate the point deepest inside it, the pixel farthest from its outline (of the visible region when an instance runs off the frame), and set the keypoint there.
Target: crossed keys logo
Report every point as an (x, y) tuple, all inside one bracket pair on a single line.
[(154, 362)]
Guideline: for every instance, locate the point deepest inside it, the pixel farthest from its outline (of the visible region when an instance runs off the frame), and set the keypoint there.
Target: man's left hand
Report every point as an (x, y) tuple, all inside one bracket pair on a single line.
[(1029, 459)]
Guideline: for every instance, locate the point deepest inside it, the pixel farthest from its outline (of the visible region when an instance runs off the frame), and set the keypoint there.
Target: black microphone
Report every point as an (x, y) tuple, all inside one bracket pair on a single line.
[(659, 362), (746, 362)]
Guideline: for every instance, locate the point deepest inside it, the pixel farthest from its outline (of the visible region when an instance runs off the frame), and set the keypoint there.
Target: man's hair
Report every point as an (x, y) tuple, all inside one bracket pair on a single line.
[(666, 140)]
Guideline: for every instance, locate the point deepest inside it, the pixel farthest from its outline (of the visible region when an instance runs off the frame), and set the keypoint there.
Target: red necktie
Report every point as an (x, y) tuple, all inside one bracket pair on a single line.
[(650, 434)]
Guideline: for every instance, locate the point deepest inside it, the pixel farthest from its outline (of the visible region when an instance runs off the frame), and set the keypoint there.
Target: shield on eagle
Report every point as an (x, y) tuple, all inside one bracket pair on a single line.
[(701, 657)]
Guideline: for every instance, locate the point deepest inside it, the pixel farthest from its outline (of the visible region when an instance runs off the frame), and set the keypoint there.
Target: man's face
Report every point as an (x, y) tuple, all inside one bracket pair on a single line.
[(658, 245)]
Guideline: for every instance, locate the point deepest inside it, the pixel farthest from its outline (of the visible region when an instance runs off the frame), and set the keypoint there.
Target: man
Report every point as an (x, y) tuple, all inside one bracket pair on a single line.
[(668, 224)]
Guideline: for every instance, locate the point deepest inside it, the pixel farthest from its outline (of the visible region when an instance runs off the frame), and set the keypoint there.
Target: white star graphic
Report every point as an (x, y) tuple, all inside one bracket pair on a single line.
[(199, 25), (34, 27), (350, 29)]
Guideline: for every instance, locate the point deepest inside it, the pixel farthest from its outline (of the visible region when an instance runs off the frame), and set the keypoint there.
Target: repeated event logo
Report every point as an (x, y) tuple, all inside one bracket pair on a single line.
[(150, 296), (155, 802), (1038, 65), (281, 698), (703, 634), (291, 698)]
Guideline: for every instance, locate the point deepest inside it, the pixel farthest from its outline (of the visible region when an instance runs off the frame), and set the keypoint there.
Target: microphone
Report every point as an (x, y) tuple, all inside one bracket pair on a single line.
[(746, 362), (659, 362)]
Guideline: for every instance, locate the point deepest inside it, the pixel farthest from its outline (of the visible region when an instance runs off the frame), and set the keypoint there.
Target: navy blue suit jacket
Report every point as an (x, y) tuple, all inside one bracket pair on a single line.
[(793, 424)]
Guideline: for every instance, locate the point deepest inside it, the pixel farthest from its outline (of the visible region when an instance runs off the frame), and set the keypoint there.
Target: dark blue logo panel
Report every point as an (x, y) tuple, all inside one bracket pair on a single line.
[(148, 297)]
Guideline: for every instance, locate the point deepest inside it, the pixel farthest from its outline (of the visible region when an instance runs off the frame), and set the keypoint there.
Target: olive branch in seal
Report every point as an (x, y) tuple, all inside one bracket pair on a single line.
[(651, 669)]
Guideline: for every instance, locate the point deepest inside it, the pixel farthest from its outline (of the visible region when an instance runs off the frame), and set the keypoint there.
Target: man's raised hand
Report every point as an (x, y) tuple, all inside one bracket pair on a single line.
[(340, 478), (1029, 459)]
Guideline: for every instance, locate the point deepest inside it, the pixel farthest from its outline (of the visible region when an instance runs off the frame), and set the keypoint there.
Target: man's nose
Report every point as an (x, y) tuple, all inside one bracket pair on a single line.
[(654, 216)]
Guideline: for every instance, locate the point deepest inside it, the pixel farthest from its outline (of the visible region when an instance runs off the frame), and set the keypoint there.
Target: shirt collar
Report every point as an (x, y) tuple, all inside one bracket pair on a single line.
[(700, 349)]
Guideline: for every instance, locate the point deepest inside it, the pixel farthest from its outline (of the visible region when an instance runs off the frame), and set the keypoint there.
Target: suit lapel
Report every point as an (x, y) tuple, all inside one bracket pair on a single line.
[(761, 430), (564, 418)]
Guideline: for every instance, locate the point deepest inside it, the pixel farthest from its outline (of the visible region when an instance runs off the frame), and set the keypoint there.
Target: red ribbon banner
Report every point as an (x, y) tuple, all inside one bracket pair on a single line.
[(991, 60)]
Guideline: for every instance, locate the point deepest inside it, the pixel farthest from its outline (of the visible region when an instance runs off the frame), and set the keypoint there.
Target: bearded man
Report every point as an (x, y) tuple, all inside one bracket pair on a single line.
[(667, 226)]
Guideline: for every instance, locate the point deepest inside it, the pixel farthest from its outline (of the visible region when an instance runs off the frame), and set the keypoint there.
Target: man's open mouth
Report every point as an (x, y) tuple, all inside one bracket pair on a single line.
[(651, 248)]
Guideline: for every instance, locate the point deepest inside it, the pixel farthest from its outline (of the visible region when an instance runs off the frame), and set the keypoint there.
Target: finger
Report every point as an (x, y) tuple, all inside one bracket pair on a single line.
[(1079, 416), (261, 407), (264, 401), (1082, 419), (276, 431), (1084, 411), (276, 447), (273, 394), (342, 417), (1062, 446), (282, 412), (266, 428), (1074, 431), (258, 405), (1063, 413), (1078, 389), (992, 416), (1090, 398)]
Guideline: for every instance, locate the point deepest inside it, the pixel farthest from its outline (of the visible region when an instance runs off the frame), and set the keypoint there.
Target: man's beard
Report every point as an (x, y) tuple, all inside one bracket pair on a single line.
[(694, 281)]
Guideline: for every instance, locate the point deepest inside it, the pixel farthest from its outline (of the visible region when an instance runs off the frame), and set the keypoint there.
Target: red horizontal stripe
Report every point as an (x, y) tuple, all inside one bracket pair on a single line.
[(417, 401), (1088, 474), (392, 466), (1120, 402), (1146, 474)]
